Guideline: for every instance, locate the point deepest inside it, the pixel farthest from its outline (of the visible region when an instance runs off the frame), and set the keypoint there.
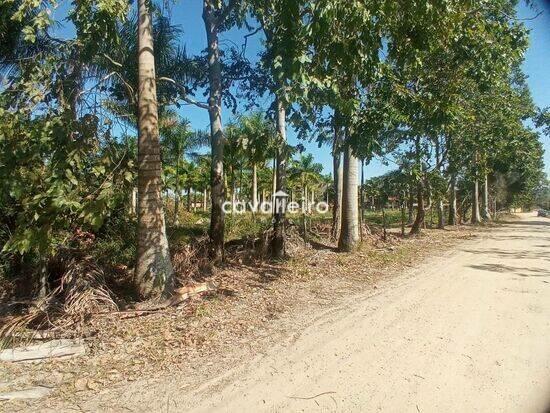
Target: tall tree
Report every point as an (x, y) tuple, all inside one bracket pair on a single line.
[(153, 272), (349, 234), (338, 176), (216, 15)]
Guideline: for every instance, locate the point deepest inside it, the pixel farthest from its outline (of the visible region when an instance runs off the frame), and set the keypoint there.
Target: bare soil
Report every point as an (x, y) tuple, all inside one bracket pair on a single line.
[(455, 320)]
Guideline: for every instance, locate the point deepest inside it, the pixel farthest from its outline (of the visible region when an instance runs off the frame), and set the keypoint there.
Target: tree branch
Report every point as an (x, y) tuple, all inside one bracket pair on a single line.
[(106, 56), (225, 12), (103, 79), (184, 97)]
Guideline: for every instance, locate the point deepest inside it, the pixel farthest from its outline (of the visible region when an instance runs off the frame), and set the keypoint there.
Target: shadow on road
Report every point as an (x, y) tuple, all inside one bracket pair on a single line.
[(544, 223), (521, 271), (517, 255)]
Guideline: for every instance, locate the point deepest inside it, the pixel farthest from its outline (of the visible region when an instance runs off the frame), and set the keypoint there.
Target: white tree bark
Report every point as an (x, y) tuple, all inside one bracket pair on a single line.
[(349, 233)]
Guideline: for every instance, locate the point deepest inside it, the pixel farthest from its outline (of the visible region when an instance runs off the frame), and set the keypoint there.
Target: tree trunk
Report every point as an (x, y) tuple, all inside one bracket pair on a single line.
[(440, 207), (485, 213), (419, 222), (452, 201), (361, 198), (274, 184), (402, 206), (43, 286), (133, 200), (240, 192), (204, 199), (440, 215), (254, 185), (217, 219), (420, 211), (385, 236), (278, 243), (464, 212), (338, 172), (475, 203), (177, 189), (153, 272), (304, 210), (349, 233), (189, 199), (176, 207), (410, 207)]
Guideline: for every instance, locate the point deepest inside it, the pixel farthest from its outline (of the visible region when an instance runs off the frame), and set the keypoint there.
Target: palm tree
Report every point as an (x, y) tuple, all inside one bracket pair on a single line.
[(215, 16), (171, 62), (203, 177), (153, 272), (257, 141), (178, 141), (308, 173), (234, 159)]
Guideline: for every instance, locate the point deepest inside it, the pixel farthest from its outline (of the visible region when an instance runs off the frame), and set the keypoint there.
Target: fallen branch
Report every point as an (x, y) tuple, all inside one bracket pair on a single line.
[(182, 294), (312, 397), (55, 349)]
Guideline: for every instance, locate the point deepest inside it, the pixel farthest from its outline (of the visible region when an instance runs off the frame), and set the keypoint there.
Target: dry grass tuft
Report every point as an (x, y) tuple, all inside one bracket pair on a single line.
[(80, 291)]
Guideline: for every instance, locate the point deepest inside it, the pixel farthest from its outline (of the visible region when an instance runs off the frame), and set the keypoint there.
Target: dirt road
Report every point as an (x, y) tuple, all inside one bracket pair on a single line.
[(466, 333), (471, 333)]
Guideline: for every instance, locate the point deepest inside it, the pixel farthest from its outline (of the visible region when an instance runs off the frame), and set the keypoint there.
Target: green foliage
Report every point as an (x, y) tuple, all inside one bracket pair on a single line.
[(56, 180), (436, 85)]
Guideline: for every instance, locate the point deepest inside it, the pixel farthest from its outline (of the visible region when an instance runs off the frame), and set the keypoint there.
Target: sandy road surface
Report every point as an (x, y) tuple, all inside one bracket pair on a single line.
[(465, 333), (470, 333)]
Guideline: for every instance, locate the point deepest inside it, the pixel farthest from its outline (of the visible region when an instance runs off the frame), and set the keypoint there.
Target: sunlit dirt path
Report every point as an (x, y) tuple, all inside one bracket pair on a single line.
[(469, 332)]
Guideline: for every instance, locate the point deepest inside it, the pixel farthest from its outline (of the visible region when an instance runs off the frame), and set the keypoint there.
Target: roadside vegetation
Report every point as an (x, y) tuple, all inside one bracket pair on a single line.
[(112, 204)]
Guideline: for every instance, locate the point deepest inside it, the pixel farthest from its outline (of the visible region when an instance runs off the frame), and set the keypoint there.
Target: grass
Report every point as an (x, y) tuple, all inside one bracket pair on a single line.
[(195, 224), (393, 217)]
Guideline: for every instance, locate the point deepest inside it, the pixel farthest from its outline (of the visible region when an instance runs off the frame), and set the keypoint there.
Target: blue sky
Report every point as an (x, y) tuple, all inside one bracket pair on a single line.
[(537, 61), (187, 14)]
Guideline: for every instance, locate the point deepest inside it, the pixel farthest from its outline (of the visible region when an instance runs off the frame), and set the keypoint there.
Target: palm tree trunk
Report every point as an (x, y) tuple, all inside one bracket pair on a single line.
[(176, 206), (204, 199), (217, 218), (254, 185), (349, 233), (177, 189), (153, 272), (278, 247)]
